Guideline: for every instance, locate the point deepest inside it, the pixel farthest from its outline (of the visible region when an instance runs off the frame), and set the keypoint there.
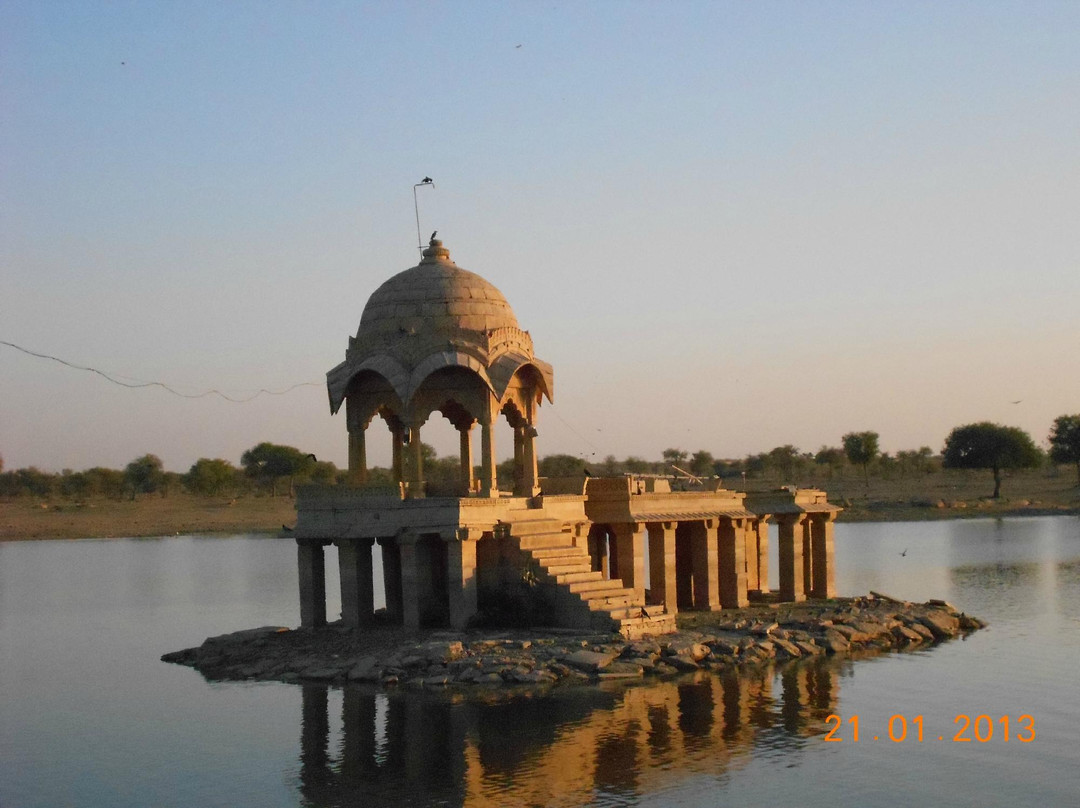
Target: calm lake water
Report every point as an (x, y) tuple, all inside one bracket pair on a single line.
[(90, 717)]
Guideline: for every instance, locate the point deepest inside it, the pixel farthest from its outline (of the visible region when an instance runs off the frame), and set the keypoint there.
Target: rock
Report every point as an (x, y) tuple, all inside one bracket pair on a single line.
[(786, 650), (809, 648), (364, 669), (941, 624), (695, 650), (621, 670), (682, 662), (589, 661), (444, 651), (905, 635), (969, 623), (834, 642)]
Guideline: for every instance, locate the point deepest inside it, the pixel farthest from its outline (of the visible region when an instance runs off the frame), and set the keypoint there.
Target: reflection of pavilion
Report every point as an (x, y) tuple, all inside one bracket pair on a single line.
[(614, 553), (580, 741)]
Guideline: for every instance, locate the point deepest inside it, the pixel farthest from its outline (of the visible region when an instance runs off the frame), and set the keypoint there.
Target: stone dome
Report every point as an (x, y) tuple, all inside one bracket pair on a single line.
[(431, 317), (434, 297)]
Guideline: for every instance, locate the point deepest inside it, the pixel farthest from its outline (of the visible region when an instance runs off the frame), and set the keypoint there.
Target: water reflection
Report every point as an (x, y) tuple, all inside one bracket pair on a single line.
[(568, 746)]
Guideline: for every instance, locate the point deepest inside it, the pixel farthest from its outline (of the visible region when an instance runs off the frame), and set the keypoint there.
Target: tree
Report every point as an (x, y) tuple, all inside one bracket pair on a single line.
[(784, 460), (861, 448), (674, 457), (211, 477), (269, 462), (701, 463), (832, 457), (144, 475), (561, 465), (990, 446), (1065, 441)]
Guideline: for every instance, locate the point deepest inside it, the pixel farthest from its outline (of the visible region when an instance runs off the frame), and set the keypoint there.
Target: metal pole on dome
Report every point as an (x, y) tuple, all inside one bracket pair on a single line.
[(416, 207)]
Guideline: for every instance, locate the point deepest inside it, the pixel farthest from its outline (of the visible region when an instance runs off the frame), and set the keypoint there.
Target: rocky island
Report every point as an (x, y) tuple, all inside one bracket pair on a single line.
[(390, 656)]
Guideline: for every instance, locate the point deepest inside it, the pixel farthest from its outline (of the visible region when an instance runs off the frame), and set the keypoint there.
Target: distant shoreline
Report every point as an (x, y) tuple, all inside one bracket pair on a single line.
[(149, 516)]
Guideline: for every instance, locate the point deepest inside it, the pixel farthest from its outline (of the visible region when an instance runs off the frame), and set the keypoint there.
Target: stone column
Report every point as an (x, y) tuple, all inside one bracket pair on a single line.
[(530, 476), (461, 575), (662, 565), (468, 476), (598, 554), (489, 480), (397, 438), (312, 574), (822, 545), (757, 553), (358, 474), (519, 462), (732, 564), (704, 560), (630, 552), (807, 557), (416, 463), (791, 557), (357, 586), (410, 580), (391, 561)]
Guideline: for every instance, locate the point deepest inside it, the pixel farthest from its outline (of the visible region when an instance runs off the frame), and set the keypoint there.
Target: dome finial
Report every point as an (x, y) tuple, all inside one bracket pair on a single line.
[(435, 251)]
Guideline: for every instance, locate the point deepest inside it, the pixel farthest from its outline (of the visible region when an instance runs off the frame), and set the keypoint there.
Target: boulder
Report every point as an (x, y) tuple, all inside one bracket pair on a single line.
[(589, 661)]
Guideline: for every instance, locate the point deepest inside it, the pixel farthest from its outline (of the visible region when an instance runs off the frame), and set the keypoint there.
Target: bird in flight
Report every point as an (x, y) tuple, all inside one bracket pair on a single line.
[(426, 180), (1017, 401), (904, 553)]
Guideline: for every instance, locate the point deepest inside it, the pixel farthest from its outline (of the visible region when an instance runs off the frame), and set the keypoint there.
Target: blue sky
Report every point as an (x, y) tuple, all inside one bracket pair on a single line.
[(728, 225)]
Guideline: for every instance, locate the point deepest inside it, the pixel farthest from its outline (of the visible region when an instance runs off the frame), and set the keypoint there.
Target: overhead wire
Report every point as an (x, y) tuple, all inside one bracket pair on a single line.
[(162, 385)]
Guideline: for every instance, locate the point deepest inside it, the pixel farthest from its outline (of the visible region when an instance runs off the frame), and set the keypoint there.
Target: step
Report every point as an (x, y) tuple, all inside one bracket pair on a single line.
[(608, 602), (595, 584), (540, 541), (531, 527), (591, 576), (566, 569), (544, 553)]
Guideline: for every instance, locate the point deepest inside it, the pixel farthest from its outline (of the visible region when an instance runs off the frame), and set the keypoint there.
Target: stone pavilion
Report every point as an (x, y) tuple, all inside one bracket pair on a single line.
[(622, 553)]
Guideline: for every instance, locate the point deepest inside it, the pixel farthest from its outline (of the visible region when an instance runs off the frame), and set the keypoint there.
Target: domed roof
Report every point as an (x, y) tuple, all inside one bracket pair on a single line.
[(434, 297)]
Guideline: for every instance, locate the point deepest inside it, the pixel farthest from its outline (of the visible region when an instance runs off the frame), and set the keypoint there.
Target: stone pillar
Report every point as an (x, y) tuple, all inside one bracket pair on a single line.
[(461, 575), (489, 483), (630, 552), (358, 474), (410, 581), (822, 544), (357, 586), (703, 554), (467, 475), (519, 462), (807, 557), (662, 565), (757, 553), (391, 561), (732, 564), (397, 438), (791, 557), (530, 475), (312, 574), (416, 464)]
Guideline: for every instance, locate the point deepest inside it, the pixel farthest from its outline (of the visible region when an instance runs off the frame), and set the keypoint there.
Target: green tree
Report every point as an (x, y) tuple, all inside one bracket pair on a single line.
[(832, 457), (990, 446), (561, 465), (701, 463), (783, 460), (144, 475), (674, 457), (269, 462), (861, 448), (211, 478), (74, 484), (1065, 441), (106, 482)]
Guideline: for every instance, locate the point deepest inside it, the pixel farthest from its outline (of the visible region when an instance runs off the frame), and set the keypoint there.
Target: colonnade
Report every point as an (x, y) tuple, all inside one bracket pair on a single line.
[(407, 465), (708, 564), (427, 578)]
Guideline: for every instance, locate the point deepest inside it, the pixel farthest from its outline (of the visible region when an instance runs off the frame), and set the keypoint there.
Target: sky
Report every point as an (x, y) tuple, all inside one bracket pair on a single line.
[(729, 226)]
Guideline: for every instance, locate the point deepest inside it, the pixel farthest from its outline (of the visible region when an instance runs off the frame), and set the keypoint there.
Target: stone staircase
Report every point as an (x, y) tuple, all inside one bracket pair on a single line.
[(585, 599)]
